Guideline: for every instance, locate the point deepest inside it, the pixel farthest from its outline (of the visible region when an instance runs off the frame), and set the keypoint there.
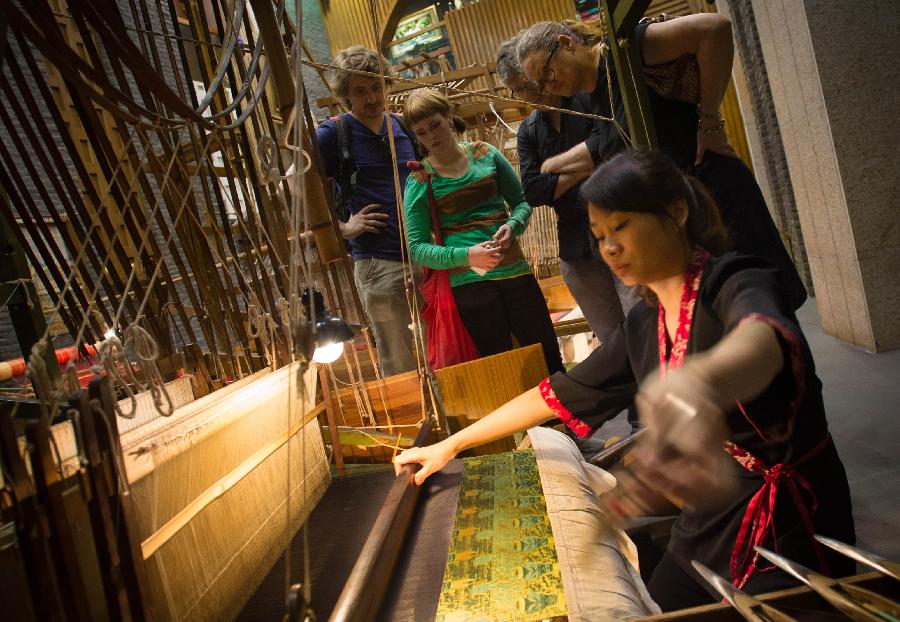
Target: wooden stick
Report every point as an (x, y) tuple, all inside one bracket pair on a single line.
[(365, 588), (330, 414)]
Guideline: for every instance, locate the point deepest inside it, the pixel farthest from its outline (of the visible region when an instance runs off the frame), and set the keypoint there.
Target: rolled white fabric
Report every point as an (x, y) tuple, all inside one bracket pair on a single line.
[(598, 563)]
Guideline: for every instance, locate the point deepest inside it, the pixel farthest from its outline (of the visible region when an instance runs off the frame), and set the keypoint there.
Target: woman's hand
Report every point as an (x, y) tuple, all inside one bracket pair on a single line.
[(680, 457), (432, 458), (485, 256), (715, 141), (503, 237)]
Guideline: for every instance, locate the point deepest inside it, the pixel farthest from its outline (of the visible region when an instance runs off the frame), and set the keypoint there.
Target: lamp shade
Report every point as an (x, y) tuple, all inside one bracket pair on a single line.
[(329, 332)]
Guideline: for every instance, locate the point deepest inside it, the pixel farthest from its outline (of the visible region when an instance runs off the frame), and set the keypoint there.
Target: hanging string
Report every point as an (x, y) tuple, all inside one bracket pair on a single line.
[(461, 91), (112, 358), (396, 446), (115, 351), (40, 380), (121, 478), (357, 385), (132, 189), (500, 119), (405, 258), (297, 261), (93, 302), (604, 53), (80, 257)]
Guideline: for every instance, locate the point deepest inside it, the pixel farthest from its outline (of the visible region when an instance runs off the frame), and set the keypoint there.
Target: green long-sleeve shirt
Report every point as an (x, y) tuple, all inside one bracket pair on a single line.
[(480, 192)]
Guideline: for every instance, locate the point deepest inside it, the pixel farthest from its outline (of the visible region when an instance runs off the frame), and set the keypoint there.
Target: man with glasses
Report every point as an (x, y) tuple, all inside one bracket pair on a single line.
[(543, 136), (687, 64), (547, 73), (356, 153)]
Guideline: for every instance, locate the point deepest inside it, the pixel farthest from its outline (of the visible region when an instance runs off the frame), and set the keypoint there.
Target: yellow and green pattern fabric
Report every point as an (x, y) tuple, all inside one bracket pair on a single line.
[(502, 562)]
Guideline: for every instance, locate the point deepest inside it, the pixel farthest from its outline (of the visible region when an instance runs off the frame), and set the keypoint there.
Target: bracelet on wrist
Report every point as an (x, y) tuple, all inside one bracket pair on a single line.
[(703, 115), (711, 129)]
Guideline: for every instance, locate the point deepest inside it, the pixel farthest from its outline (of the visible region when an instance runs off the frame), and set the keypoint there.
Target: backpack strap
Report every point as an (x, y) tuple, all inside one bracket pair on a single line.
[(417, 148), (346, 173)]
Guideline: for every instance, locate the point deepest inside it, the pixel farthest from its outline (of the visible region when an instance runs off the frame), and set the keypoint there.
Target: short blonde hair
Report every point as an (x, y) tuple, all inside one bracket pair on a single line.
[(357, 58), (422, 103)]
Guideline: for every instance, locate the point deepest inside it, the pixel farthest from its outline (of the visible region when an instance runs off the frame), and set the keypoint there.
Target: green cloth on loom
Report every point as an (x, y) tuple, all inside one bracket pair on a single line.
[(502, 562)]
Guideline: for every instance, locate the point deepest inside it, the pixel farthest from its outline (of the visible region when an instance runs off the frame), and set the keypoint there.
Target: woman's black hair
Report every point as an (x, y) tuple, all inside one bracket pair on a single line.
[(649, 181)]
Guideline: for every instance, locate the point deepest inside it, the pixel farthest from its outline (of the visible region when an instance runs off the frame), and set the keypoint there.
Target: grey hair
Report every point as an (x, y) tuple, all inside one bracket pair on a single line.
[(508, 67), (541, 37)]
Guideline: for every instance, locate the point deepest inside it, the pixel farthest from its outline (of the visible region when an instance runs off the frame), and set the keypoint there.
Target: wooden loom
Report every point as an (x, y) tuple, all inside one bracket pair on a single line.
[(207, 491), (208, 483), (178, 517)]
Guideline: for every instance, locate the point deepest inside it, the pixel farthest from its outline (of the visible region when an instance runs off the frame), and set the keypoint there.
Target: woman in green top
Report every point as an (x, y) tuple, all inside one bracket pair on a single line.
[(494, 288)]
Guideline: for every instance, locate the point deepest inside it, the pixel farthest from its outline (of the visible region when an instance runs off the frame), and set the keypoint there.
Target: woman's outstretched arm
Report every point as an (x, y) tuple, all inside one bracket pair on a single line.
[(517, 415)]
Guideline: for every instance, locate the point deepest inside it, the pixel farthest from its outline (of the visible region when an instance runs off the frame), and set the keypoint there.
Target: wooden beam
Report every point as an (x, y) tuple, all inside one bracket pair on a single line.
[(22, 298), (276, 56), (621, 17), (626, 16), (463, 76), (423, 57), (571, 327), (368, 581), (331, 416)]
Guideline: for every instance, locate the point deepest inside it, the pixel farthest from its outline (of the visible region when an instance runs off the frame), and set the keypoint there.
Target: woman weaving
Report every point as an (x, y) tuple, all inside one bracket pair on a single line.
[(717, 361)]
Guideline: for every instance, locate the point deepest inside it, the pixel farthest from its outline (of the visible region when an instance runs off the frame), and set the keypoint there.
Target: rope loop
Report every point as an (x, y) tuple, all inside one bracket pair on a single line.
[(139, 341), (267, 152), (69, 383), (145, 348), (112, 357), (40, 379)]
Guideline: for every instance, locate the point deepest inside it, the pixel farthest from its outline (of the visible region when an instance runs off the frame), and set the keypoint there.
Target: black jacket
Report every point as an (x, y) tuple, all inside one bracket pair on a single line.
[(537, 141)]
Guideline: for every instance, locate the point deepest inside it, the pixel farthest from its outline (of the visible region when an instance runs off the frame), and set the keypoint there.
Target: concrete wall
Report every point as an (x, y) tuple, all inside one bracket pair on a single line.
[(763, 133), (835, 94)]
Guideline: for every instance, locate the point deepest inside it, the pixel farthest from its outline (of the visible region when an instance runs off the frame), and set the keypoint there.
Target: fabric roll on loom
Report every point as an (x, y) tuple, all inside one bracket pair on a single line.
[(506, 536)]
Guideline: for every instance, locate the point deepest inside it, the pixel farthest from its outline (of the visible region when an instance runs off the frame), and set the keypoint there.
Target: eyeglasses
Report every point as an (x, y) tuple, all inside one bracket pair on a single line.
[(547, 74)]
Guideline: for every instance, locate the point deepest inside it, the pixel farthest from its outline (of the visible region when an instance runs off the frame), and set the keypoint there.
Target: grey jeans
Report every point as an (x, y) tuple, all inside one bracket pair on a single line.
[(383, 294), (603, 298)]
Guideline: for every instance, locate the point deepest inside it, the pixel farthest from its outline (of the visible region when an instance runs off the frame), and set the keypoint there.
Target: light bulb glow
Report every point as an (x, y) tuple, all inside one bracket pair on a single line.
[(328, 353), (109, 334)]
